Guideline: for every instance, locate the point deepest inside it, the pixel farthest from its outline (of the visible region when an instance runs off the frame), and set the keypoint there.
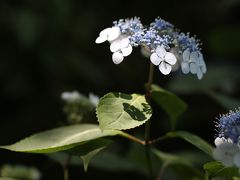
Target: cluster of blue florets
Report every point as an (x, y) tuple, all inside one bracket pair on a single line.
[(160, 32), (132, 25), (166, 46), (187, 42), (228, 126), (161, 25)]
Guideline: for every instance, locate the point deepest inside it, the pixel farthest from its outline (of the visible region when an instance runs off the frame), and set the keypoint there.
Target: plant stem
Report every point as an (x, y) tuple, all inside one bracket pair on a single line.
[(148, 97), (148, 124), (65, 167), (128, 136), (149, 84), (161, 172), (154, 141)]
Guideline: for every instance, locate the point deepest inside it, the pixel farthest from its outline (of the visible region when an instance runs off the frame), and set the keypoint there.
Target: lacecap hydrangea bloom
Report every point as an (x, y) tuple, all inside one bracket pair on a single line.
[(161, 42), (228, 139)]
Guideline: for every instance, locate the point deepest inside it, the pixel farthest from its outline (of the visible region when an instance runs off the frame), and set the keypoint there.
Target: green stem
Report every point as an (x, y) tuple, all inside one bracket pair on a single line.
[(161, 172), (148, 97), (150, 80), (65, 174), (148, 124), (65, 167)]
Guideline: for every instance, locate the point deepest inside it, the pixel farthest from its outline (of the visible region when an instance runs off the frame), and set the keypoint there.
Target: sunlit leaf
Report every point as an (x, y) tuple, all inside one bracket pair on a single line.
[(60, 139), (122, 111)]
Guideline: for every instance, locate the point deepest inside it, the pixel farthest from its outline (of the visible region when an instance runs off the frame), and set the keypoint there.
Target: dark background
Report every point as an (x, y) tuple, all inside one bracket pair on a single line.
[(48, 46)]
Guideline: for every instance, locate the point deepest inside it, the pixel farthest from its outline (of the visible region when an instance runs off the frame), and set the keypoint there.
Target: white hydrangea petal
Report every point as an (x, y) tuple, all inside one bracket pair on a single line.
[(186, 55), (155, 59), (201, 63), (165, 68), (71, 96), (194, 56), (94, 99), (127, 51), (101, 39), (176, 66), (161, 52), (225, 153), (236, 159), (204, 68), (218, 141), (185, 67), (105, 32), (124, 42), (199, 74), (193, 68), (117, 57), (115, 46), (170, 58), (200, 59), (114, 33)]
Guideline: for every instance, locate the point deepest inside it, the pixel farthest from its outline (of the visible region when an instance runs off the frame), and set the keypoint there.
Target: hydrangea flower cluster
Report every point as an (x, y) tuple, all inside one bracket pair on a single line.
[(75, 96), (228, 139), (161, 42), (78, 107)]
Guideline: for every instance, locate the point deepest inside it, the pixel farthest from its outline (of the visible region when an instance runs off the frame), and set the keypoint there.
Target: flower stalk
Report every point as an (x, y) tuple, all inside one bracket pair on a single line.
[(148, 124)]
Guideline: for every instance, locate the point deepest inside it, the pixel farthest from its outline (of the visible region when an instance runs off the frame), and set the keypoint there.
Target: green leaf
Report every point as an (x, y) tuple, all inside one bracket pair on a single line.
[(170, 158), (194, 140), (89, 146), (105, 161), (19, 172), (217, 77), (226, 101), (177, 161), (122, 111), (87, 158), (89, 149), (216, 169), (173, 105), (60, 139)]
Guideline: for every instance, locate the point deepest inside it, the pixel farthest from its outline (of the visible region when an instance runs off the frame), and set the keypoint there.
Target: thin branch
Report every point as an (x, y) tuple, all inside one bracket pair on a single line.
[(133, 138), (161, 138), (150, 81), (66, 166), (161, 172)]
